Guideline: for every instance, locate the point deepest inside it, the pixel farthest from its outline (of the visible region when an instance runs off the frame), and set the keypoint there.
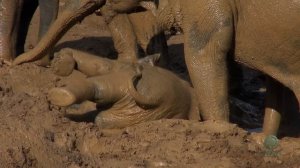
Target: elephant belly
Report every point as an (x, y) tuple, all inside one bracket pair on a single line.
[(268, 36)]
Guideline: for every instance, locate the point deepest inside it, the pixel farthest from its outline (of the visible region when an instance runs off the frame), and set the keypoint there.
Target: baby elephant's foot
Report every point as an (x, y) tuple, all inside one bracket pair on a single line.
[(78, 90), (61, 97), (63, 64)]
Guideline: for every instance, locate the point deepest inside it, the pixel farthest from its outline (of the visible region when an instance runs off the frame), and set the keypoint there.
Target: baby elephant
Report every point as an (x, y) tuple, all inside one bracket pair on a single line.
[(136, 92)]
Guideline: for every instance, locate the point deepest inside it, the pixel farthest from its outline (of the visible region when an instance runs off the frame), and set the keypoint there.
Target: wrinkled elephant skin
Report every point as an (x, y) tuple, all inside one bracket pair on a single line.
[(15, 17), (263, 35), (137, 92)]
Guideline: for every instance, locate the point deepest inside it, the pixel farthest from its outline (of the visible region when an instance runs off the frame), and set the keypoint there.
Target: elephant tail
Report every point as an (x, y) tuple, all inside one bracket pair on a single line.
[(60, 26)]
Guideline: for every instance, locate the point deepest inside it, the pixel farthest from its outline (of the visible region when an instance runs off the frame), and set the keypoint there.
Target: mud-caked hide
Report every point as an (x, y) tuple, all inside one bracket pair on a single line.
[(136, 92), (139, 94)]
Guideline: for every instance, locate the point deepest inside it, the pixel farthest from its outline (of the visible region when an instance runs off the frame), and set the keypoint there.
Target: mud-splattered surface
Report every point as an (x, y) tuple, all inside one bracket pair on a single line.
[(37, 134)]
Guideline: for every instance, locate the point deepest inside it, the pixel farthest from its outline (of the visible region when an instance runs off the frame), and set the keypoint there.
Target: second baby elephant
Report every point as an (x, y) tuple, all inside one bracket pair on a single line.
[(137, 92), (15, 18)]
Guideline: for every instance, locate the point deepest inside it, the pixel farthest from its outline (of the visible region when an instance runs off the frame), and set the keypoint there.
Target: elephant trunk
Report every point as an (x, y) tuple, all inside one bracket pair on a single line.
[(64, 22)]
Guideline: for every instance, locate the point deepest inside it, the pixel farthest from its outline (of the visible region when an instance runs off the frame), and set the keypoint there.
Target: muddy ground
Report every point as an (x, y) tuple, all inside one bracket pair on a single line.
[(35, 133)]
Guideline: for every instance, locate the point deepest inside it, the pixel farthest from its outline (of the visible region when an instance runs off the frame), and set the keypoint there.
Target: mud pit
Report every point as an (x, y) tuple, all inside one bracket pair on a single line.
[(36, 134)]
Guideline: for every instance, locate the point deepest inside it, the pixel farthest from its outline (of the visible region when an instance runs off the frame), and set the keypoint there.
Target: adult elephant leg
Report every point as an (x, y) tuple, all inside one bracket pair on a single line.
[(10, 15), (207, 41), (48, 14), (124, 39), (149, 35), (28, 9)]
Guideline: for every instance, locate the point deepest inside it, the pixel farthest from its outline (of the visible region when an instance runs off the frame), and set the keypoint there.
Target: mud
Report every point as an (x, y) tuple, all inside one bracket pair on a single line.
[(35, 133)]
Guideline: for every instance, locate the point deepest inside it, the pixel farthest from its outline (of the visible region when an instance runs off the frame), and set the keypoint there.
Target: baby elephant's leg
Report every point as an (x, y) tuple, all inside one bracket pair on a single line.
[(149, 35), (68, 59), (63, 63), (78, 90)]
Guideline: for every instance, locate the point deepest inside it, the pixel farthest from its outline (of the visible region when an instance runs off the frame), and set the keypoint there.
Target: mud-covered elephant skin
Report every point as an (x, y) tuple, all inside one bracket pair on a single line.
[(128, 32), (15, 18), (137, 92), (249, 29)]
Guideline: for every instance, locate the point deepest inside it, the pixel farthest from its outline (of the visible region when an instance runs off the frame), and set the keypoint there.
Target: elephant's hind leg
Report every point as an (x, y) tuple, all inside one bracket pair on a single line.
[(206, 48), (79, 90)]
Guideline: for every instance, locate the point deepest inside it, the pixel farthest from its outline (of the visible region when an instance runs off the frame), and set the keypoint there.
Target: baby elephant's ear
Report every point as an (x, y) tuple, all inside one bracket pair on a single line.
[(150, 59)]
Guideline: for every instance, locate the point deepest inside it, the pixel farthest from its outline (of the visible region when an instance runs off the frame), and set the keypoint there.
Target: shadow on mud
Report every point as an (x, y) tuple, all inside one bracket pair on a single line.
[(101, 46), (88, 116)]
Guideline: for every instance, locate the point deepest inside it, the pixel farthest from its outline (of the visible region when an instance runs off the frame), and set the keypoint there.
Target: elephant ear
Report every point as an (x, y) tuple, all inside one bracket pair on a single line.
[(143, 101), (150, 59)]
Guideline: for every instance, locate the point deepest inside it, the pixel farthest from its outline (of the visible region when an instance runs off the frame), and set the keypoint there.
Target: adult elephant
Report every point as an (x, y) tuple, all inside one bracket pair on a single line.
[(15, 18)]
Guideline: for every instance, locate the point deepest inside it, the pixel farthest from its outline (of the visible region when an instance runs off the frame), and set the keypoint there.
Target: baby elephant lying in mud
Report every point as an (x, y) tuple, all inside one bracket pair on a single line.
[(137, 92)]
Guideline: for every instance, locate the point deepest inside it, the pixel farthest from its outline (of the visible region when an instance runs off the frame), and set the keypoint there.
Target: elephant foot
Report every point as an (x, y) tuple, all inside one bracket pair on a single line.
[(77, 90), (6, 53), (61, 97), (63, 65)]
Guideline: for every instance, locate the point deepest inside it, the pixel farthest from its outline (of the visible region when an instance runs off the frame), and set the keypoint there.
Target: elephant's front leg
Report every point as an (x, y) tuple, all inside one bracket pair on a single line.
[(48, 14), (124, 39), (9, 24), (149, 35), (207, 41), (122, 33)]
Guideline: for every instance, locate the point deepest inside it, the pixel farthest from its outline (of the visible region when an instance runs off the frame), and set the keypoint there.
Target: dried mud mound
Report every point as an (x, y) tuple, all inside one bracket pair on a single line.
[(36, 134)]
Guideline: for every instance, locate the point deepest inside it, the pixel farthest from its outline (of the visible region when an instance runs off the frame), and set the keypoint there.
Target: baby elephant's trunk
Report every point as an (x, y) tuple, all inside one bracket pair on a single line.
[(73, 14)]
